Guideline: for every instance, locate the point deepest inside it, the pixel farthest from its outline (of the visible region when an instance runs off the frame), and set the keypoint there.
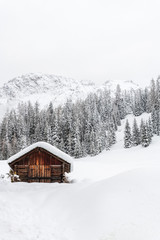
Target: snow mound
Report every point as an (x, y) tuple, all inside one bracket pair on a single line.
[(125, 206), (4, 171)]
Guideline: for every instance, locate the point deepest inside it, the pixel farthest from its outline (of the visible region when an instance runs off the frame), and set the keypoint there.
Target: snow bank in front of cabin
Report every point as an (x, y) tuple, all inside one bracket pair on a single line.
[(4, 171), (125, 206), (45, 146)]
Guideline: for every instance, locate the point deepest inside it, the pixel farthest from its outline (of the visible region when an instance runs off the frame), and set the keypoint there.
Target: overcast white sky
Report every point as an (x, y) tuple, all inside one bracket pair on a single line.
[(85, 39)]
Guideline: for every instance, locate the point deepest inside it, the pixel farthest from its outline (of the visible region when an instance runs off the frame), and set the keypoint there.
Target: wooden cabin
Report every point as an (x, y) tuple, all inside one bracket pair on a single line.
[(41, 162)]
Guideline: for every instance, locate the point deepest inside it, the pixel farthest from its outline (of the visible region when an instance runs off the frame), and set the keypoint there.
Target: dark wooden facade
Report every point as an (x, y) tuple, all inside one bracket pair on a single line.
[(39, 165)]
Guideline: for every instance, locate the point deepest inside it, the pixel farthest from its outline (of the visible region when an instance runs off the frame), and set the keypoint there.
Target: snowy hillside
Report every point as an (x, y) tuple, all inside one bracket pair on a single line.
[(117, 159), (42, 88), (32, 84), (125, 85), (45, 88), (114, 196)]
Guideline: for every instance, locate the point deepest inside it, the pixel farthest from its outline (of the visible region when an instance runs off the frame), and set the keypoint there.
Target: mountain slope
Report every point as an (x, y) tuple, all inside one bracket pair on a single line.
[(42, 88), (45, 88), (125, 85), (33, 86)]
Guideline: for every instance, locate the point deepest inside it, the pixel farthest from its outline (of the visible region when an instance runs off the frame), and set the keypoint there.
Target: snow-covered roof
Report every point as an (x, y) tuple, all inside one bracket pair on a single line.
[(55, 151)]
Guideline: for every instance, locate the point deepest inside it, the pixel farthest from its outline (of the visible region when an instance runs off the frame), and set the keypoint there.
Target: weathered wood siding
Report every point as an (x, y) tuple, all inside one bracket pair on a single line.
[(40, 166)]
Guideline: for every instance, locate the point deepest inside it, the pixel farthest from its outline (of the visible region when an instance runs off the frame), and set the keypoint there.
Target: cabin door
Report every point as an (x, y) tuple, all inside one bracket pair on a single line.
[(33, 173), (44, 173), (39, 173), (47, 171)]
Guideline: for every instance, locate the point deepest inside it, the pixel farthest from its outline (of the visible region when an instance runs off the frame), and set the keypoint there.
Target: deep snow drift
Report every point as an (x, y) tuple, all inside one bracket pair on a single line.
[(114, 196)]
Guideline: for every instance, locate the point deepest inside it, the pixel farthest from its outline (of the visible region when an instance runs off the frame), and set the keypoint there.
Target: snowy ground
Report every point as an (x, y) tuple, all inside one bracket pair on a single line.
[(114, 196)]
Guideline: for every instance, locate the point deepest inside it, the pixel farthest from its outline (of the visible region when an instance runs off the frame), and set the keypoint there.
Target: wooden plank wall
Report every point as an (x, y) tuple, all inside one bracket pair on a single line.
[(39, 166)]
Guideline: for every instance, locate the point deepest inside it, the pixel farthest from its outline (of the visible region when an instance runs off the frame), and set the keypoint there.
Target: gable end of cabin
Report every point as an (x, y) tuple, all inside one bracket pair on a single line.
[(40, 165)]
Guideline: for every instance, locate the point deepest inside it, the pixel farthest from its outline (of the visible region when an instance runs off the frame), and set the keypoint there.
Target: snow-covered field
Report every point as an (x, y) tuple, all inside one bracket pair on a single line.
[(113, 196)]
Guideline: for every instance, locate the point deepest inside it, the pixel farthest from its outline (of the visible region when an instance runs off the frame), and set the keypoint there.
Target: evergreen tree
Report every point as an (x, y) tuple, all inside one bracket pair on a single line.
[(111, 135), (92, 150), (135, 134), (150, 127), (127, 135), (137, 103), (77, 147), (157, 95), (154, 121), (145, 141), (107, 142), (55, 140), (119, 101), (153, 93), (149, 131)]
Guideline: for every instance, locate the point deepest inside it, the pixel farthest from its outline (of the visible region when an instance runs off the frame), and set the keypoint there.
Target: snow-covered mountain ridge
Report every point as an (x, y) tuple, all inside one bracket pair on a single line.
[(46, 87), (32, 84), (125, 85), (42, 88)]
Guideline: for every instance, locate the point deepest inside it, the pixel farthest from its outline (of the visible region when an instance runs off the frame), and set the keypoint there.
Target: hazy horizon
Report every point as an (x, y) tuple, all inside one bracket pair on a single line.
[(85, 40)]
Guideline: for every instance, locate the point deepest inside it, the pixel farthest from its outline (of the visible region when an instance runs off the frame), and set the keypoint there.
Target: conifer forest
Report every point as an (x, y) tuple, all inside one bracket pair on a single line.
[(85, 127)]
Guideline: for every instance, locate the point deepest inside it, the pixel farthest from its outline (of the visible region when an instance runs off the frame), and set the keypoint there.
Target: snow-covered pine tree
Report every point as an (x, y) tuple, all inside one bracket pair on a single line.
[(127, 135), (4, 139), (5, 150), (77, 151), (147, 97), (145, 139), (153, 93), (31, 122), (111, 135), (138, 103), (102, 137), (154, 121), (50, 114), (150, 127), (135, 134), (107, 142), (92, 150), (119, 101), (149, 132), (157, 97), (157, 121), (55, 136)]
